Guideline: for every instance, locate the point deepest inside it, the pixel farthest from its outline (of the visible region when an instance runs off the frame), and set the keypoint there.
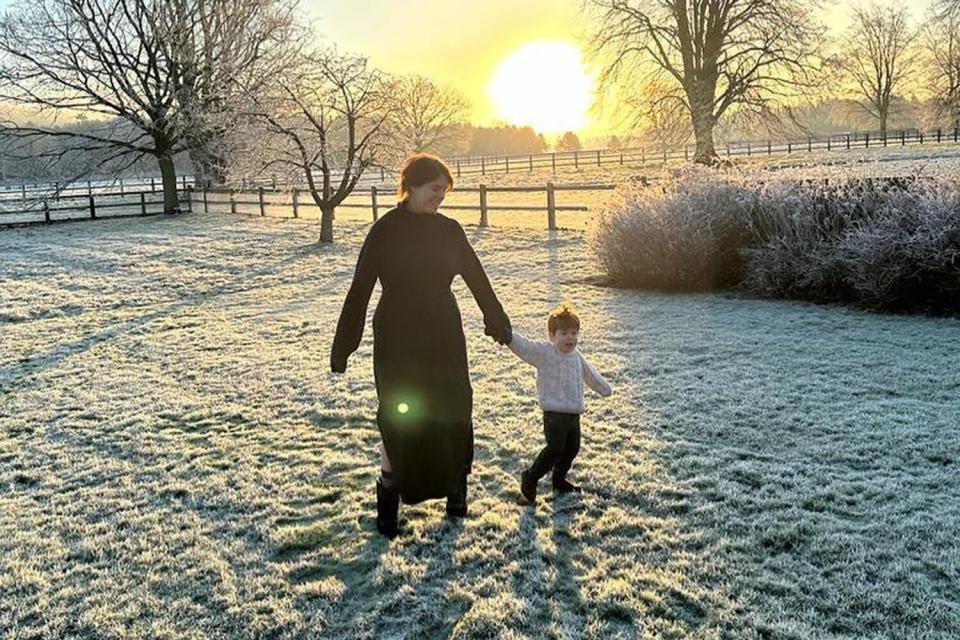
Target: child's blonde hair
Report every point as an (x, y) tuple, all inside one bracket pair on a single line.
[(563, 316)]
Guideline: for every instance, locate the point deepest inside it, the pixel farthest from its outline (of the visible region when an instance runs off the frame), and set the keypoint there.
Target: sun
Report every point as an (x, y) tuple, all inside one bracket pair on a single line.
[(544, 85)]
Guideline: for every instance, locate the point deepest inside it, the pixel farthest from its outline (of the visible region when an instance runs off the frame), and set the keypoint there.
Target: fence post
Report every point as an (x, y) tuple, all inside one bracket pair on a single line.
[(373, 202), (938, 135), (789, 148), (93, 208), (531, 162), (383, 174), (56, 191), (273, 183), (884, 139), (848, 141), (23, 191), (483, 165), (809, 145), (483, 205), (598, 157), (553, 161), (296, 203), (686, 154), (263, 208), (921, 137), (664, 155), (866, 140), (89, 188), (143, 203), (183, 181), (205, 208), (458, 168), (621, 158), (749, 148), (829, 140), (576, 159), (769, 151), (46, 210), (506, 160), (121, 186), (956, 134), (551, 207), (233, 201), (903, 138)]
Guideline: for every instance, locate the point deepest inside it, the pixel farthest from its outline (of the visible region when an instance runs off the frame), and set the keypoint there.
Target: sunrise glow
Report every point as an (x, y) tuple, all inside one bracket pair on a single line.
[(544, 85)]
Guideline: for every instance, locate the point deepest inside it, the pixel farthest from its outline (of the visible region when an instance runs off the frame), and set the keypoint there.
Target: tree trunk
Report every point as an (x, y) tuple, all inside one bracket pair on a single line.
[(326, 224), (705, 152), (168, 174), (883, 124)]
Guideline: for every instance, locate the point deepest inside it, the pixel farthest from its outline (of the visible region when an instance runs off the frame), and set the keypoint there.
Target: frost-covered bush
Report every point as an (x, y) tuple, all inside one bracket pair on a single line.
[(890, 245), (680, 235)]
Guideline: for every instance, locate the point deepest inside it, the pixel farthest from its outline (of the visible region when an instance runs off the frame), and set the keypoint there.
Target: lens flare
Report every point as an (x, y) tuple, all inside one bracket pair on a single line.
[(403, 407)]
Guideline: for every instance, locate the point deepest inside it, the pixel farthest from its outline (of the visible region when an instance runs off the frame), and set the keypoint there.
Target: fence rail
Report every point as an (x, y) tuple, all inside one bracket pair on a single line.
[(25, 192), (261, 199), (87, 207), (472, 165), (517, 163)]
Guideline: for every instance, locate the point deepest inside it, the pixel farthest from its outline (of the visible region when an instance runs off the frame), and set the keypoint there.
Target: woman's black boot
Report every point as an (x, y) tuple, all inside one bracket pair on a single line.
[(457, 501), (388, 507)]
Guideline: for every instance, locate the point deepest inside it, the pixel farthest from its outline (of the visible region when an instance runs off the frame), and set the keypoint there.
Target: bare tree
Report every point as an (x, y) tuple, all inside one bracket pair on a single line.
[(878, 57), (230, 50), (722, 55), (427, 114), (109, 59), (941, 56), (150, 76), (328, 116)]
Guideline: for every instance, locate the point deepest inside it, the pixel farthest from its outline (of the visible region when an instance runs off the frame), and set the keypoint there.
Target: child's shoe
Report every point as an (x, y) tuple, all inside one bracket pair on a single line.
[(528, 489), (565, 486)]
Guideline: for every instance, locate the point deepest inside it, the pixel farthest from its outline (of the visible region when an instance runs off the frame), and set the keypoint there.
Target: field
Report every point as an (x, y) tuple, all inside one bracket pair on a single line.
[(176, 460)]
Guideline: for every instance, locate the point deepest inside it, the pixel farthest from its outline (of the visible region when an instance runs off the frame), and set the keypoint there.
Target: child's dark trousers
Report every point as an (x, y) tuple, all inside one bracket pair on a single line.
[(563, 443)]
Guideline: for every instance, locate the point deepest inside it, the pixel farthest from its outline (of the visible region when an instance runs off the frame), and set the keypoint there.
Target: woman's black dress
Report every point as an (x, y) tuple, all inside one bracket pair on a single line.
[(419, 352)]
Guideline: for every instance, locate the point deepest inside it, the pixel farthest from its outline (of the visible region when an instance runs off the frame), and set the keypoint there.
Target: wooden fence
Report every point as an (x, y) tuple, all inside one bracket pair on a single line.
[(87, 207), (25, 192), (256, 202), (472, 165), (483, 165)]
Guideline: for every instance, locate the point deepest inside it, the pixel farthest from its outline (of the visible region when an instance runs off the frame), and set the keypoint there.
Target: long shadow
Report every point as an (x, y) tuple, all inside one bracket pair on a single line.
[(378, 599), (62, 351), (568, 548)]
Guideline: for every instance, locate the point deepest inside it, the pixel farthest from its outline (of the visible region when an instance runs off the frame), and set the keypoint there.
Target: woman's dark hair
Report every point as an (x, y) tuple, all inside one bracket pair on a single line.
[(420, 169)]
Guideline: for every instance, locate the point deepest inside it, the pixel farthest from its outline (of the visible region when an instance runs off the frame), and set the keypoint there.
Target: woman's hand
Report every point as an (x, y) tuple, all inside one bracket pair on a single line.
[(500, 336)]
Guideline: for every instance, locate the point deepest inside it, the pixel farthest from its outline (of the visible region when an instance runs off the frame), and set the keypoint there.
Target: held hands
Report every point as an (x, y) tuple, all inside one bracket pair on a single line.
[(500, 336)]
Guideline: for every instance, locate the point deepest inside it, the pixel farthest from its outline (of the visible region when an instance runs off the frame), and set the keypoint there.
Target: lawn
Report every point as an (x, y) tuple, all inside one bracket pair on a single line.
[(176, 460)]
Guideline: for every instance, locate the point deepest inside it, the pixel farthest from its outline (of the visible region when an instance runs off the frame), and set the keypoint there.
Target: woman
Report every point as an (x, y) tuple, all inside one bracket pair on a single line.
[(419, 351)]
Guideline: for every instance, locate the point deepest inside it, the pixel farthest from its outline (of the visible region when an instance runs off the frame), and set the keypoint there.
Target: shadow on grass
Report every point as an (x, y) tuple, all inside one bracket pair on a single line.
[(241, 282)]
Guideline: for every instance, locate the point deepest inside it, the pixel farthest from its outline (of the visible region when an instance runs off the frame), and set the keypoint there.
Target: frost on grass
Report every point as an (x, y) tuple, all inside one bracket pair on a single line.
[(177, 462)]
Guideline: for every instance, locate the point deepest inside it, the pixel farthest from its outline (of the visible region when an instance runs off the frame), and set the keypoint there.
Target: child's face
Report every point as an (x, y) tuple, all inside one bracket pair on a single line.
[(565, 339)]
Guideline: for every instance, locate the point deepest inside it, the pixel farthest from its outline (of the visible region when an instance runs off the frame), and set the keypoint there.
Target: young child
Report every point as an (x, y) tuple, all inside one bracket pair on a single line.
[(561, 373)]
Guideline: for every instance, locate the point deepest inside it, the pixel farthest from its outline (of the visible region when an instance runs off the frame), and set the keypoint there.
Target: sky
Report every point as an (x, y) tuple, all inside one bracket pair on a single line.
[(462, 44), (459, 44)]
